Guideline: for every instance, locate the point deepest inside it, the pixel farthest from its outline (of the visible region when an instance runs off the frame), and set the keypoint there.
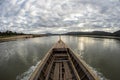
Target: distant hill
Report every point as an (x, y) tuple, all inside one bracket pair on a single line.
[(100, 33), (78, 33), (117, 33)]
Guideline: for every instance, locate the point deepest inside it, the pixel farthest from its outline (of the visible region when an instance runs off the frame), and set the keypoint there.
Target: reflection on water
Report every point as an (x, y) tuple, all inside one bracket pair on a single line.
[(18, 58), (81, 47), (102, 54)]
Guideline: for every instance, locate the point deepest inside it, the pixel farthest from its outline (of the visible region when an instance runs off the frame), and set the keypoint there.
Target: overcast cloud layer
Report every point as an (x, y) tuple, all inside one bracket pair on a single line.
[(57, 16)]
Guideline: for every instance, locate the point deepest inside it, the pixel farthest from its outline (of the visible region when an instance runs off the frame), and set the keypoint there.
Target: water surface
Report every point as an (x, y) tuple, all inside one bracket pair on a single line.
[(17, 58)]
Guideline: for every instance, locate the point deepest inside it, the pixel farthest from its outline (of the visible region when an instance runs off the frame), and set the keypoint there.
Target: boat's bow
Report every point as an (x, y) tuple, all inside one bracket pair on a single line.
[(60, 63)]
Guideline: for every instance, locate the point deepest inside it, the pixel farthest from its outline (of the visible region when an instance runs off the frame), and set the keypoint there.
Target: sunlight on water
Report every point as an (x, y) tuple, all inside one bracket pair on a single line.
[(22, 56), (101, 54)]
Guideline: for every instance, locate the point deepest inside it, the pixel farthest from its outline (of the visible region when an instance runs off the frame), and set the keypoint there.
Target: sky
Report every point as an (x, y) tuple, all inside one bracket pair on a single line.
[(59, 16)]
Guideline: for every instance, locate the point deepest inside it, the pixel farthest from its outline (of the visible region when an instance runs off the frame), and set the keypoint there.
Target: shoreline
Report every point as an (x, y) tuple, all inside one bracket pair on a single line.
[(17, 37)]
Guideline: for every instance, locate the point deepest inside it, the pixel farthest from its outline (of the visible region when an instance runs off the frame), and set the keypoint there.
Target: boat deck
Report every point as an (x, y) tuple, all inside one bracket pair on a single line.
[(62, 69), (61, 64)]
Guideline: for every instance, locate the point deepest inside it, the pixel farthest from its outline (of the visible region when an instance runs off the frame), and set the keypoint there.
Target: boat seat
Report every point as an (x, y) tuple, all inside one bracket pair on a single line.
[(61, 60), (62, 55)]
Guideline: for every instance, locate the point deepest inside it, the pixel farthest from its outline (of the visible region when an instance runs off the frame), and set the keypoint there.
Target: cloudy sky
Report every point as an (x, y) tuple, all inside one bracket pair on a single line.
[(58, 16)]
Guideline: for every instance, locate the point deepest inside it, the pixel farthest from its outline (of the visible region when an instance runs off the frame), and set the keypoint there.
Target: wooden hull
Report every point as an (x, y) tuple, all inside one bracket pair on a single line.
[(61, 63)]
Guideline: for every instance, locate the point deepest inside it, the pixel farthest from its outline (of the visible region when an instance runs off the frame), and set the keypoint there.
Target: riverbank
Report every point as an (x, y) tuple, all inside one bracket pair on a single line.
[(16, 37)]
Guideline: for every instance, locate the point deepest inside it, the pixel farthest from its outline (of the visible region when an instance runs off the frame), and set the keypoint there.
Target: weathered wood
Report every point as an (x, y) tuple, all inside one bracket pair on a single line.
[(61, 63), (56, 72), (47, 73), (61, 60), (60, 71), (62, 55), (68, 75)]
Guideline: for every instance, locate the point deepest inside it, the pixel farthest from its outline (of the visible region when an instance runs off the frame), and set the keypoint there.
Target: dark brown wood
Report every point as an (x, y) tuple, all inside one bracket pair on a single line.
[(47, 73)]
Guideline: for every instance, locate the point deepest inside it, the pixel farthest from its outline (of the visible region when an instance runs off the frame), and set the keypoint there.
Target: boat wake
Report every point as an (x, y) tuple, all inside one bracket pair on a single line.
[(94, 70), (100, 75), (26, 75)]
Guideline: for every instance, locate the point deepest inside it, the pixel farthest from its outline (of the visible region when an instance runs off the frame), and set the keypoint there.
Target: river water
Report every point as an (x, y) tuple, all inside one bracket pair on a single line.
[(19, 58)]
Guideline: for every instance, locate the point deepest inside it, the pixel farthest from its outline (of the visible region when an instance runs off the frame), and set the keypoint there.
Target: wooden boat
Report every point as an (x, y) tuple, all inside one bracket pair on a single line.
[(61, 63)]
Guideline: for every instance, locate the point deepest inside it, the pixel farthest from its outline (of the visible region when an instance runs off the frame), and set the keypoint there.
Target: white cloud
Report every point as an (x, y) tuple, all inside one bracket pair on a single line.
[(40, 16)]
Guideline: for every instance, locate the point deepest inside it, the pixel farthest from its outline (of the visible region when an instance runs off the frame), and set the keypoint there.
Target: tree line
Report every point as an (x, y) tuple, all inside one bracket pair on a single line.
[(10, 33)]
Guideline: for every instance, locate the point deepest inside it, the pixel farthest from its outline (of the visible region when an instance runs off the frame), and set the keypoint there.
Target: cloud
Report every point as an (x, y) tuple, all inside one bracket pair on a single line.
[(44, 16)]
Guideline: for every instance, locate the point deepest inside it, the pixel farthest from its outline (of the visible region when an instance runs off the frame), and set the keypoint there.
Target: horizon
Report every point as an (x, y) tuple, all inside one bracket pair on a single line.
[(62, 33)]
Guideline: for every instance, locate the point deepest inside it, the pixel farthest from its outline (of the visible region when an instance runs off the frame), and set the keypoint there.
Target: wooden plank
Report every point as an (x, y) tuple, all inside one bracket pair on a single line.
[(60, 44), (68, 75), (60, 71), (49, 69), (74, 69), (61, 60), (62, 55), (56, 72)]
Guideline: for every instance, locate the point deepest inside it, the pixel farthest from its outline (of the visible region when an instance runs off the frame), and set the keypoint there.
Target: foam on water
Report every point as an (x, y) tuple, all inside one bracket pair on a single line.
[(99, 74), (26, 75)]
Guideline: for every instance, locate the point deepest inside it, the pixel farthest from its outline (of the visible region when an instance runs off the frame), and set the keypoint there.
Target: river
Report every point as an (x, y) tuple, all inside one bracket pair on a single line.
[(19, 58)]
